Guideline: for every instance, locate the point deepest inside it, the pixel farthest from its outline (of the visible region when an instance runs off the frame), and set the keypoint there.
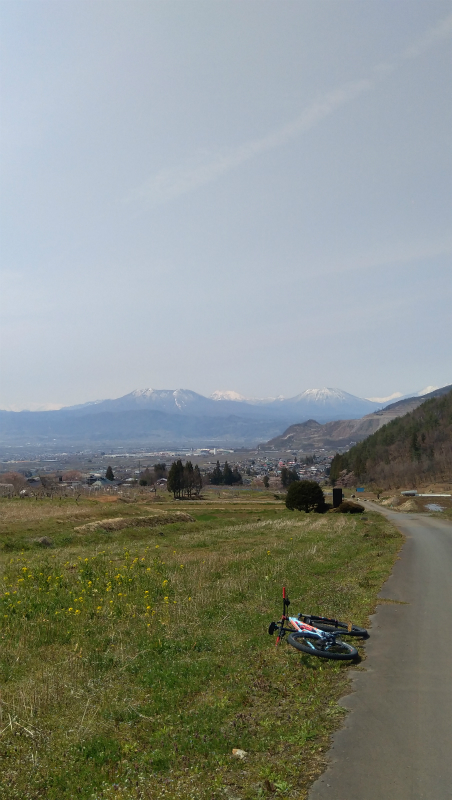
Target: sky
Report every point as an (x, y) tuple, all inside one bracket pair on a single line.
[(251, 195)]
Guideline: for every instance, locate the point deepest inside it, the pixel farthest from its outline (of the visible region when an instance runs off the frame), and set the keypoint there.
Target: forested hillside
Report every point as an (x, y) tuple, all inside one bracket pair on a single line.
[(409, 450)]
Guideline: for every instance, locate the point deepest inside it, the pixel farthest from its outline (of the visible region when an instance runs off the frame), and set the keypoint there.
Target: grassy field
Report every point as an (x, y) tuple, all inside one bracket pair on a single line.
[(133, 661)]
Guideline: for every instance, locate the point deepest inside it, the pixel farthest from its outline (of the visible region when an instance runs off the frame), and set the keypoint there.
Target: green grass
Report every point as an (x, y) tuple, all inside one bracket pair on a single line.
[(133, 662)]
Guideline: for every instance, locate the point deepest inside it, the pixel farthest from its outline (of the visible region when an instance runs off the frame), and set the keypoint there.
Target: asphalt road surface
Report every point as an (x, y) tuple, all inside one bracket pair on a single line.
[(397, 740)]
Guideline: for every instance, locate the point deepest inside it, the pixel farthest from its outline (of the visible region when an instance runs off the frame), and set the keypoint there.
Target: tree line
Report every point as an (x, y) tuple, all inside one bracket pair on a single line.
[(225, 476), (184, 480), (409, 449)]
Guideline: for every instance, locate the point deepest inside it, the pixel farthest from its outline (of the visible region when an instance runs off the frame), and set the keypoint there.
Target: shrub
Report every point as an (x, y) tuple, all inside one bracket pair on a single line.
[(348, 507), (305, 496)]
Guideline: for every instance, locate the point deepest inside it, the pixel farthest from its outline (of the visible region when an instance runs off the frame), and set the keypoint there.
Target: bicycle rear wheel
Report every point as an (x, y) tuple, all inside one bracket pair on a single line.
[(338, 650), (335, 626)]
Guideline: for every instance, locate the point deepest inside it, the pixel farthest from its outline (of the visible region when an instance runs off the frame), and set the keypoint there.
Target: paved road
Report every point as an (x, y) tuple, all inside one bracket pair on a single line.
[(397, 740)]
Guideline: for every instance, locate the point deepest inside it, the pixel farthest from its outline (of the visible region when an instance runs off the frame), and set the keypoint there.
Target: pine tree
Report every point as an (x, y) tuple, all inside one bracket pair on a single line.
[(175, 478), (236, 477), (109, 474), (228, 478), (197, 480), (216, 476), (188, 478)]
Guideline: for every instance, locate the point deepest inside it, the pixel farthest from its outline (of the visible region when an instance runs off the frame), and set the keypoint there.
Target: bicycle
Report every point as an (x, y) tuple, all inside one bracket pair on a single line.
[(323, 640)]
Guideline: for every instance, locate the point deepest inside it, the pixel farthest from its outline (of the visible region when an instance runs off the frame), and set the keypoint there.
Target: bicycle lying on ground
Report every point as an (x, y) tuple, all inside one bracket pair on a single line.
[(324, 639)]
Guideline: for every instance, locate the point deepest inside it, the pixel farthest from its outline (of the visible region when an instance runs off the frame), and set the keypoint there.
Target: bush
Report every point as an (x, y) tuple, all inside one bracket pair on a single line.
[(305, 496), (348, 507)]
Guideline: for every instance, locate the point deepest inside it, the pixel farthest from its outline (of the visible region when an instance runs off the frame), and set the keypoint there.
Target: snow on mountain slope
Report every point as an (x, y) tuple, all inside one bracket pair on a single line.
[(228, 394), (400, 396), (324, 396), (393, 396)]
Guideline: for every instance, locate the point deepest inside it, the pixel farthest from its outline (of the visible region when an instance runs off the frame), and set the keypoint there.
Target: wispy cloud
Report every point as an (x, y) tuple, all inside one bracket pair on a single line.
[(440, 31), (205, 167)]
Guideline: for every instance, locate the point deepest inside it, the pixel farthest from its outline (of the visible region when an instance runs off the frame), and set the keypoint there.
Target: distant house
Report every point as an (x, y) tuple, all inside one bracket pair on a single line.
[(102, 483)]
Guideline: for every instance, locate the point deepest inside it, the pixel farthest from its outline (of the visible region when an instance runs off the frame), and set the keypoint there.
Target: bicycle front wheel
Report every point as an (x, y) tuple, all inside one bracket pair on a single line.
[(338, 650)]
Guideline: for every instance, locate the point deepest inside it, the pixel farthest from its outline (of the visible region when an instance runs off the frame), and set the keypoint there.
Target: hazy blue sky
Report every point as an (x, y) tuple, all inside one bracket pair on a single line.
[(224, 194)]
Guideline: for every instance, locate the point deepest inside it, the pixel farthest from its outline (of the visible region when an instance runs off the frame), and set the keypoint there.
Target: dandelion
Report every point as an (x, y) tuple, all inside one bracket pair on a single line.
[(99, 608), (181, 566), (164, 582), (77, 611), (148, 608), (189, 598)]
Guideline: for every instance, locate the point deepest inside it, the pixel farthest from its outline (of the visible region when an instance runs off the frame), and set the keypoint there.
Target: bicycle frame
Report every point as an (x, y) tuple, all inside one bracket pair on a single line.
[(302, 627)]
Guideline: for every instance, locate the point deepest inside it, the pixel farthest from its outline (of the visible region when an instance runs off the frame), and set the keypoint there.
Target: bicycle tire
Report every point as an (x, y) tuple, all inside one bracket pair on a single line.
[(324, 624), (340, 651)]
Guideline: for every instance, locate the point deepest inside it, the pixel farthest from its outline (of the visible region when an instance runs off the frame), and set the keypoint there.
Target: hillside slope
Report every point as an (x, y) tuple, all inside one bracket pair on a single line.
[(410, 450), (311, 435)]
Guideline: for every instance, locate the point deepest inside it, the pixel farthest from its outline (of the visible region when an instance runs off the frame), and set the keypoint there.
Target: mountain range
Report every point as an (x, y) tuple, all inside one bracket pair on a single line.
[(325, 404), (164, 418)]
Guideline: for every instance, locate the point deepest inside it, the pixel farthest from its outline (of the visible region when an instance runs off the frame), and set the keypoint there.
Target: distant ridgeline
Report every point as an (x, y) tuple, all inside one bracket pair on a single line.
[(409, 450)]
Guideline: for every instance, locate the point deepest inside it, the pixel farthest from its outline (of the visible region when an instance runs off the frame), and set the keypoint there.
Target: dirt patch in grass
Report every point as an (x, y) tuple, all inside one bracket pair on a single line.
[(120, 523)]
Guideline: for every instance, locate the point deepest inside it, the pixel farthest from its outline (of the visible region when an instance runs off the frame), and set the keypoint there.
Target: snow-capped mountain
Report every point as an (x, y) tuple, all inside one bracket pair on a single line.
[(228, 395), (320, 404), (235, 397), (171, 401), (400, 396), (328, 402)]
